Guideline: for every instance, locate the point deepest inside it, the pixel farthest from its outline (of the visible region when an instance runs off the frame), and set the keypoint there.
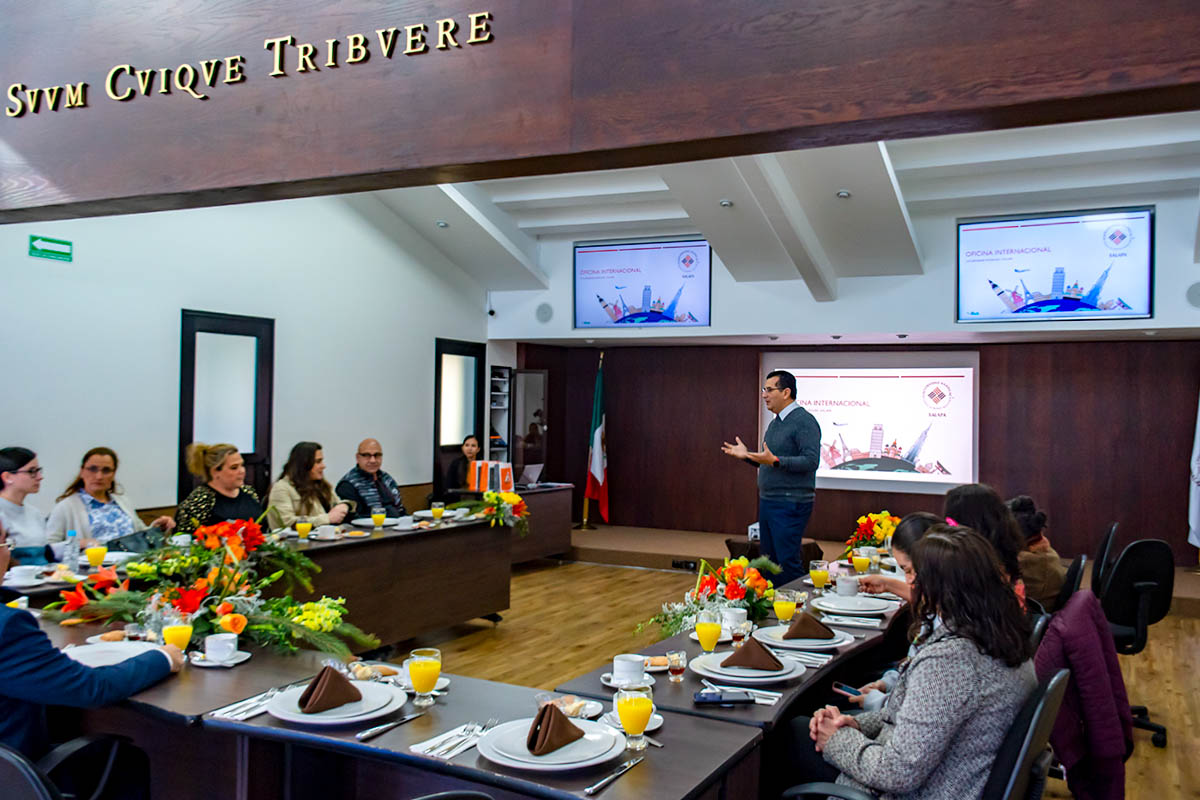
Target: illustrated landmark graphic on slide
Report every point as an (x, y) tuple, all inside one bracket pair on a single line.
[(655, 310), (880, 457), (1019, 300)]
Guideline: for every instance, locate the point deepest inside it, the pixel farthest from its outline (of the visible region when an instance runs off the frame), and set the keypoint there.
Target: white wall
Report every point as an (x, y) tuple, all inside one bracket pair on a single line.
[(875, 305), (92, 348)]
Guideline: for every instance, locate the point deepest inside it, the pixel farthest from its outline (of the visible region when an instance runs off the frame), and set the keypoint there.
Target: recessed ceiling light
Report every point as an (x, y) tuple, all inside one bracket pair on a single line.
[(725, 203), (843, 194), (441, 223), (835, 336), (773, 338), (901, 335)]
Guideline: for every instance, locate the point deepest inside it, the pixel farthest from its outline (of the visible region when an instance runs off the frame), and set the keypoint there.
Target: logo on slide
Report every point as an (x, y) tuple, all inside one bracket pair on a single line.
[(687, 261), (937, 395), (1117, 237)]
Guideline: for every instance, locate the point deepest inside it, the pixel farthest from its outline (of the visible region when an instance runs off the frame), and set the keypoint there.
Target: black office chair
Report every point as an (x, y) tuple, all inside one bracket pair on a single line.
[(1101, 565), (456, 795), (1022, 762), (1040, 623), (1071, 582), (22, 780), (1137, 595)]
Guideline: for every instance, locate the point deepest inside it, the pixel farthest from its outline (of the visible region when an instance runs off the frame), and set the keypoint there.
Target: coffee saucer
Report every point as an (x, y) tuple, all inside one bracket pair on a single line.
[(198, 659), (646, 680)]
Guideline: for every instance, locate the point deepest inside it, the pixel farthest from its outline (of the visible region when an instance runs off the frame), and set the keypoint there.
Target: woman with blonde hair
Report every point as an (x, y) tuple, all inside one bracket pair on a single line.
[(94, 507), (302, 490), (223, 495)]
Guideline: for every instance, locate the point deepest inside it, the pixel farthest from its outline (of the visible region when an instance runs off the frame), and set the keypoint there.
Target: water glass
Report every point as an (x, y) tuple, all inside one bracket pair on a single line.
[(424, 665), (437, 509), (676, 664), (634, 705), (818, 571), (378, 516)]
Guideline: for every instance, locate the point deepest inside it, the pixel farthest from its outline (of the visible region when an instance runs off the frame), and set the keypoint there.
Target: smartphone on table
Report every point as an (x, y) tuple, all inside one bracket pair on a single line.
[(723, 698)]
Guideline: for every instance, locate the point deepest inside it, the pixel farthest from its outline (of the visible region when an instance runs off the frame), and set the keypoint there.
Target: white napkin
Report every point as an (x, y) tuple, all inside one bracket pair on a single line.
[(852, 622), (437, 741)]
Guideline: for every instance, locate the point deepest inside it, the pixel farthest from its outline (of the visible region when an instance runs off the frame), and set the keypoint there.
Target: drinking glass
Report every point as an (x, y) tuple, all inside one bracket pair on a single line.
[(861, 561), (740, 631), (177, 630), (634, 706), (785, 605), (437, 509), (708, 629), (819, 572), (424, 665), (303, 527), (676, 664), (378, 516), (95, 554)]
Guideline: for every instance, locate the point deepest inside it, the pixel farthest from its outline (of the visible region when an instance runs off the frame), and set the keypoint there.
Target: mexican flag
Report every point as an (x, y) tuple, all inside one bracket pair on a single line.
[(597, 479)]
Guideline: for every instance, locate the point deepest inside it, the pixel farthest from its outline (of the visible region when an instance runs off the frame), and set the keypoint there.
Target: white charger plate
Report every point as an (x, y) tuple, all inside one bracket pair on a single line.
[(773, 637), (17, 587), (105, 654), (505, 745), (712, 663), (367, 522), (378, 699), (646, 680), (855, 604), (457, 513), (698, 666), (612, 718)]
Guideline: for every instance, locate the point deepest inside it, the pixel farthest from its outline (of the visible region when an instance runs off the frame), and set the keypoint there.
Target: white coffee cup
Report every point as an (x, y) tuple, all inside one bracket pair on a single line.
[(732, 617), (628, 668), (325, 532), (181, 539), (24, 574), (220, 646), (404, 523), (847, 585)]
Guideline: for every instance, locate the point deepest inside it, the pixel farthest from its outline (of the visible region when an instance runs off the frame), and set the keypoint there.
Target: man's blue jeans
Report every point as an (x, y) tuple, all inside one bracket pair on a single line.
[(781, 525)]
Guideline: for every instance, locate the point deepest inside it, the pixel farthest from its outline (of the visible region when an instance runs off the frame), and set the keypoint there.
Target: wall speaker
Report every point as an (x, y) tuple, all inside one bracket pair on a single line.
[(544, 312), (1193, 294)]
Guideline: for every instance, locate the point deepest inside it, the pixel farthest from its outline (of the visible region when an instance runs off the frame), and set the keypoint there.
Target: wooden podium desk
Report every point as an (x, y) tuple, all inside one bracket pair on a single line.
[(549, 522)]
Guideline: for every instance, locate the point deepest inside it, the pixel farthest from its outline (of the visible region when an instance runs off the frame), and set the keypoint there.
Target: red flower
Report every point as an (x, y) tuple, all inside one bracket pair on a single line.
[(519, 509), (224, 608), (252, 535), (734, 591), (75, 599), (124, 587), (188, 600), (104, 578), (708, 585)]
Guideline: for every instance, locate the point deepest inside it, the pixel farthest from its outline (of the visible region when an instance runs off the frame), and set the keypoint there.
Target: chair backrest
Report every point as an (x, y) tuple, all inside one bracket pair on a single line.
[(1146, 561), (1040, 623), (1100, 564), (1020, 754), (22, 780), (1071, 582)]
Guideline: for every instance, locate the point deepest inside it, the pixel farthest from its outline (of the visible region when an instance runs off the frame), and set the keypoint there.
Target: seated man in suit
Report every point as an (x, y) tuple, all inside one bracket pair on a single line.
[(368, 485), (36, 674)]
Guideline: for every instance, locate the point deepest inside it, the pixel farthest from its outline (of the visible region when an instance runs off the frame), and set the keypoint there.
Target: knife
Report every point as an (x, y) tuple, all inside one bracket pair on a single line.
[(612, 776), (371, 733)]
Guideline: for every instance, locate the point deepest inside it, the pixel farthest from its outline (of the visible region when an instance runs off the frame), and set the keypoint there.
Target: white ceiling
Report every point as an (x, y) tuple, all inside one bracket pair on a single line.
[(778, 217)]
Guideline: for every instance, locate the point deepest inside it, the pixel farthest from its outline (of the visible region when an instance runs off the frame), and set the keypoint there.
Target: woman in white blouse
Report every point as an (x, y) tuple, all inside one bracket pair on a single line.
[(21, 476), (92, 506)]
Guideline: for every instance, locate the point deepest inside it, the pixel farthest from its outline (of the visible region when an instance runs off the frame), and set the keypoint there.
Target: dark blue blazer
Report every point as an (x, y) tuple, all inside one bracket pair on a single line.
[(34, 674)]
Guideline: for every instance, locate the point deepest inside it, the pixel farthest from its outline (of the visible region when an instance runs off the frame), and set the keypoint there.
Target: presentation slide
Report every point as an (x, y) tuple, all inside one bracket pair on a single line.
[(659, 284), (906, 424), (1076, 266)]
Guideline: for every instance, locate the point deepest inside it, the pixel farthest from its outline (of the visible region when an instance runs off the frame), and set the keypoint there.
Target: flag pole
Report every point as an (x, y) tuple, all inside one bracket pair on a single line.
[(585, 525)]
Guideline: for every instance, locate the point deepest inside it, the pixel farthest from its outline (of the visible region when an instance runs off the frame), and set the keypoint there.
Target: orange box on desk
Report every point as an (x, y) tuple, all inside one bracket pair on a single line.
[(490, 476)]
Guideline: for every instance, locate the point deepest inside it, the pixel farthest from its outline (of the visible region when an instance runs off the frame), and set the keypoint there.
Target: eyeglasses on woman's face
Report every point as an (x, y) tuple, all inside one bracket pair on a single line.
[(32, 472), (94, 470)]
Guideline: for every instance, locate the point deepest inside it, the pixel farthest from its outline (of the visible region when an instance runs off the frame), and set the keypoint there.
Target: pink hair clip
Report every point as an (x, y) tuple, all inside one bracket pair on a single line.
[(950, 521)]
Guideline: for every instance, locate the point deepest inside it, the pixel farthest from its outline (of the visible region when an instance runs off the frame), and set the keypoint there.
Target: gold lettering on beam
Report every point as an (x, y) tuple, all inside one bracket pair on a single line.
[(331, 45), (110, 82), (52, 97), (480, 30), (210, 68), (164, 80), (188, 84), (233, 69), (14, 97), (276, 46), (387, 40), (304, 60), (32, 96), (445, 34), (414, 40), (145, 78), (76, 95), (356, 43)]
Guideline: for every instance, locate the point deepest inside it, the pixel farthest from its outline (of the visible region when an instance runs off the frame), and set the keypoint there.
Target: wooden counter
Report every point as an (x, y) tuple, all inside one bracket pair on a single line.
[(549, 522)]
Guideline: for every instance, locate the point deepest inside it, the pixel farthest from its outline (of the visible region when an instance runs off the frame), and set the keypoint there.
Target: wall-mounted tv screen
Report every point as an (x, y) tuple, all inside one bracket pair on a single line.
[(1067, 265), (643, 284)]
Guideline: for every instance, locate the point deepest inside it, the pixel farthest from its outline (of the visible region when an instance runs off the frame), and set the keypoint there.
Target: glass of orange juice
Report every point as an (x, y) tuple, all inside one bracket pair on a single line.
[(177, 631), (785, 605), (634, 706), (861, 561), (437, 509), (95, 554), (708, 629), (819, 572), (424, 665), (378, 516), (303, 527)]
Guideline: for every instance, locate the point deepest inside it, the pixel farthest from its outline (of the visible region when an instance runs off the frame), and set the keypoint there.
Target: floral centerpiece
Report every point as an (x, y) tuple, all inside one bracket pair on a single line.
[(216, 581), (738, 583), (501, 508), (874, 530)]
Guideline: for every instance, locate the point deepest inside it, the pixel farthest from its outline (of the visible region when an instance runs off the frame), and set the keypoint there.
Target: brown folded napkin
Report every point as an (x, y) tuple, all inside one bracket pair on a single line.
[(806, 626), (752, 655), (329, 689), (550, 730)]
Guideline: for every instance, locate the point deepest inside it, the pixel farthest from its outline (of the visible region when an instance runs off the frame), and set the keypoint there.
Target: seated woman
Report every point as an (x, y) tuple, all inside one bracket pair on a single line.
[(302, 490), (978, 507), (93, 507), (21, 476), (1042, 569), (223, 495), (460, 467), (938, 735)]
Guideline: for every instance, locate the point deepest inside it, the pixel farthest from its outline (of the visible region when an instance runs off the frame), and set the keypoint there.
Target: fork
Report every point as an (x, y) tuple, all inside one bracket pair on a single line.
[(469, 730), (470, 741)]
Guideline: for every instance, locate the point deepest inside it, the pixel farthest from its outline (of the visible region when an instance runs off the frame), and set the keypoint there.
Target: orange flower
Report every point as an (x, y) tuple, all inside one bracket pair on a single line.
[(104, 578), (75, 599), (234, 623), (224, 608), (124, 587)]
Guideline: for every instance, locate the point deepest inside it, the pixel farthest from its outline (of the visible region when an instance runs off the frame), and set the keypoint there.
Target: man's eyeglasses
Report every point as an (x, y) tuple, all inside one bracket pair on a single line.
[(33, 472), (769, 389), (99, 470), (370, 456)]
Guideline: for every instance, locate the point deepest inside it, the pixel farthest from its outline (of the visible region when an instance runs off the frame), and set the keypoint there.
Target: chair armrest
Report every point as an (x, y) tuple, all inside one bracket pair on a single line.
[(61, 757), (824, 789)]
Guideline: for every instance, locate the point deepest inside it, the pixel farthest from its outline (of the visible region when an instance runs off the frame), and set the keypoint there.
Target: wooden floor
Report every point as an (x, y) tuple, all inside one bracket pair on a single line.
[(567, 619)]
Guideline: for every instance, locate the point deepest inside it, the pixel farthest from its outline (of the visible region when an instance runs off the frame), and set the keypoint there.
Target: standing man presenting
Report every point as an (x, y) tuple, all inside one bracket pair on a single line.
[(787, 474)]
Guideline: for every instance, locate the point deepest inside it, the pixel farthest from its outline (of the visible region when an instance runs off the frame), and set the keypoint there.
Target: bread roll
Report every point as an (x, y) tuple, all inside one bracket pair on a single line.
[(113, 636)]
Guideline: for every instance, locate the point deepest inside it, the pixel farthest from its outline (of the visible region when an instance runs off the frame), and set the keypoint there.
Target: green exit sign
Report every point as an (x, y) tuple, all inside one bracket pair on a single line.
[(57, 249)]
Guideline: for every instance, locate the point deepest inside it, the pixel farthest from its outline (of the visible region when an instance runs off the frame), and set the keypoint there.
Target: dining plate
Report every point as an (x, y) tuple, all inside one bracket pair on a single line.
[(97, 640), (367, 522), (856, 604), (457, 513), (105, 654), (646, 680), (712, 663), (660, 668), (198, 659), (611, 718), (699, 666), (773, 637), (505, 745), (356, 534), (16, 587), (377, 700)]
